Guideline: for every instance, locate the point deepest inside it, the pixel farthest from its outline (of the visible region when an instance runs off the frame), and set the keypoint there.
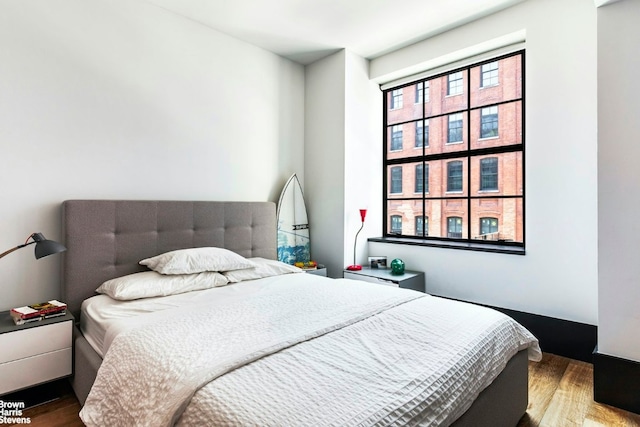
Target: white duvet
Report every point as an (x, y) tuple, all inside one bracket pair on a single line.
[(303, 350)]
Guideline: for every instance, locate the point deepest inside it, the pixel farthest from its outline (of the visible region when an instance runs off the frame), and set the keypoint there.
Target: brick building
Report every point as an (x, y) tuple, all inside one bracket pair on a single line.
[(454, 159)]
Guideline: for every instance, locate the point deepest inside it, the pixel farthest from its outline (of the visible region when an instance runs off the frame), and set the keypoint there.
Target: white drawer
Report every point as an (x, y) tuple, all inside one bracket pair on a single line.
[(33, 341), (34, 370), (371, 279)]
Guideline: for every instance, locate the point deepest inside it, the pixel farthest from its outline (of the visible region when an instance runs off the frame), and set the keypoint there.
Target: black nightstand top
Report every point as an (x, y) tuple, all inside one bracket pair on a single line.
[(8, 325)]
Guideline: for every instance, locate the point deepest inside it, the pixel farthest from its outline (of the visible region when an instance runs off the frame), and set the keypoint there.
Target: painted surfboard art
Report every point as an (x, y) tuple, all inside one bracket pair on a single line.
[(293, 227)]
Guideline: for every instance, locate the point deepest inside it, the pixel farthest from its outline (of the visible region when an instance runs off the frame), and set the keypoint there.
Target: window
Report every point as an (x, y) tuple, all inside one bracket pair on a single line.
[(489, 228), (422, 92), (454, 176), (489, 174), (396, 99), (489, 74), (422, 133), (475, 156), (396, 224), (454, 133), (489, 122), (422, 226), (454, 84), (396, 179), (454, 227), (396, 138), (422, 178)]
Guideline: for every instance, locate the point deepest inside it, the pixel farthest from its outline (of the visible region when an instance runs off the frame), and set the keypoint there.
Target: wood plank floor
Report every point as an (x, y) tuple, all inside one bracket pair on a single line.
[(560, 395)]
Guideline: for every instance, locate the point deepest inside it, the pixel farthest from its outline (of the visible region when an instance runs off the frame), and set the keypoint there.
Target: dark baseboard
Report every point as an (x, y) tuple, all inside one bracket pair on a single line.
[(616, 382), (557, 336)]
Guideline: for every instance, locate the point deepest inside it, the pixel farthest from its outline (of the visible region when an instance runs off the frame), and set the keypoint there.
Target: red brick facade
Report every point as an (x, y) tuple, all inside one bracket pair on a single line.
[(494, 93)]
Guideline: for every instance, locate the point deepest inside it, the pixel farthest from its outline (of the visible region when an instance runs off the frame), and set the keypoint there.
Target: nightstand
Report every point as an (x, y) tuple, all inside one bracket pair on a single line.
[(320, 271), (409, 280), (34, 353)]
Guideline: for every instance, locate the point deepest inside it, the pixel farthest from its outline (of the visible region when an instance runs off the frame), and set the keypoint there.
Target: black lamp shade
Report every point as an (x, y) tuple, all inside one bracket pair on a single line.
[(46, 247)]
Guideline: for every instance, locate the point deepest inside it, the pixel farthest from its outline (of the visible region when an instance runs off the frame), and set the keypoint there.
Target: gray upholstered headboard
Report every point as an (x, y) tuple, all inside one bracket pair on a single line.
[(107, 238)]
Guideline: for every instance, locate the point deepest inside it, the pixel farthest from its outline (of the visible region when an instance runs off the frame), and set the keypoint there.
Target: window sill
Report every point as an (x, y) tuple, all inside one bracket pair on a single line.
[(468, 246)]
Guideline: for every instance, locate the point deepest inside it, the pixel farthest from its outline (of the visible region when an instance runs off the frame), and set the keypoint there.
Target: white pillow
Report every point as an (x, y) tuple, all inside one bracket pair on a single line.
[(149, 284), (196, 260), (263, 268)]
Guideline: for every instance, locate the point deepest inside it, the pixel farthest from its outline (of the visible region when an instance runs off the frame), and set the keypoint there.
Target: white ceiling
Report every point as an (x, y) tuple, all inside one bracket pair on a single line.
[(307, 30)]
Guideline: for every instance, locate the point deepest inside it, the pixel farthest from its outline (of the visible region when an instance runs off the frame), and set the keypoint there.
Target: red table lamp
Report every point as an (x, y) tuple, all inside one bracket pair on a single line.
[(354, 266)]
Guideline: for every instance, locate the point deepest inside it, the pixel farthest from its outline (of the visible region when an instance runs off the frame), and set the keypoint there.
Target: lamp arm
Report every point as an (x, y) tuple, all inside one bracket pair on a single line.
[(355, 243), (5, 253)]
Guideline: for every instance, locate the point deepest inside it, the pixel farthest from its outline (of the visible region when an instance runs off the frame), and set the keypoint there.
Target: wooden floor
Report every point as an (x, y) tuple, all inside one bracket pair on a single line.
[(560, 395)]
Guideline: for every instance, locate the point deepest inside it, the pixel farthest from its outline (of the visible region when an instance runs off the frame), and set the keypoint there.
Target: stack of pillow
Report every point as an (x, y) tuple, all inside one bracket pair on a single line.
[(191, 269)]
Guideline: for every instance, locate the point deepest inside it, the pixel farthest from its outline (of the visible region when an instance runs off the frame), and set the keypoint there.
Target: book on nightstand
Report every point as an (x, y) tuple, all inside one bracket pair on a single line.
[(37, 312)]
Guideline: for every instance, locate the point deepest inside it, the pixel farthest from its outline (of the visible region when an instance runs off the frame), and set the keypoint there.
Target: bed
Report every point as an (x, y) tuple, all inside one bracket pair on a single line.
[(284, 348)]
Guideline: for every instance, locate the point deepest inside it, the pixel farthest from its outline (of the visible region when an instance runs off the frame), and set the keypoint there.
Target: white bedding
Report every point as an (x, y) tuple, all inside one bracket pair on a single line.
[(302, 350), (102, 313)]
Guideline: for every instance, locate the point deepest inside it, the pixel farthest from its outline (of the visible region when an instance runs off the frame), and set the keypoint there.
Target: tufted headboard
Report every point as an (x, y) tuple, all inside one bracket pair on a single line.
[(107, 238)]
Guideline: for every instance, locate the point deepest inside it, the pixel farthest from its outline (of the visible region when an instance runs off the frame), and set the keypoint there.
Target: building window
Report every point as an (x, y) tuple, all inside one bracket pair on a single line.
[(489, 174), (396, 179), (396, 99), (454, 84), (422, 226), (489, 228), (422, 133), (396, 224), (489, 122), (489, 74), (476, 157), (454, 227), (454, 132), (454, 176), (396, 138), (422, 178)]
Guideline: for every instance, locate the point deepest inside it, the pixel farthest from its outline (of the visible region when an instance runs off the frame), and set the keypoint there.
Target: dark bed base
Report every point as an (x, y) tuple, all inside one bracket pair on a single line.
[(501, 404)]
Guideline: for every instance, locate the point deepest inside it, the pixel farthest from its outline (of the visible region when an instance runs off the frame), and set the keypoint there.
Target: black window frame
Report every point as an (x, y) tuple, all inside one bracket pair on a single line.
[(469, 194)]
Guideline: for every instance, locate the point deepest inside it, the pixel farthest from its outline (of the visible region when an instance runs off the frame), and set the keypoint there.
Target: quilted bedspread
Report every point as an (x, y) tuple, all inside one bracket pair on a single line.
[(305, 351)]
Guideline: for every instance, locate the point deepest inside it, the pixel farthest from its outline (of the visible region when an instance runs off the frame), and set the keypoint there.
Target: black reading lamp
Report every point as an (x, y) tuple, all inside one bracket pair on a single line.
[(44, 247)]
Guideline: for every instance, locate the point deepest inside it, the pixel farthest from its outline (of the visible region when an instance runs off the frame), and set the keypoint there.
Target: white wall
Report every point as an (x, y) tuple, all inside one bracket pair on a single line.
[(119, 99), (342, 158), (558, 275), (619, 179), (324, 159), (363, 158)]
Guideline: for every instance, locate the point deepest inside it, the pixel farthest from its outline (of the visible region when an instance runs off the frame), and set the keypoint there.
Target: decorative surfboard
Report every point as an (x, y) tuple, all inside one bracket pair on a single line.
[(293, 227)]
